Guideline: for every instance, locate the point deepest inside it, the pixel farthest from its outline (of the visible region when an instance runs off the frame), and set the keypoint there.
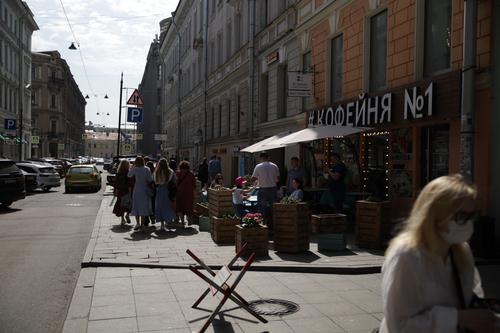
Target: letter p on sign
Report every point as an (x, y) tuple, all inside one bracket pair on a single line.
[(10, 124), (134, 115)]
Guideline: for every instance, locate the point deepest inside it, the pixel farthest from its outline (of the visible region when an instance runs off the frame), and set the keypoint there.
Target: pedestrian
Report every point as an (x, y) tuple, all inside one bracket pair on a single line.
[(214, 167), (122, 192), (267, 176), (143, 191), (428, 276), (335, 196), (239, 195), (295, 172), (150, 164), (218, 181), (172, 164), (203, 173), (164, 178), (297, 193), (186, 183)]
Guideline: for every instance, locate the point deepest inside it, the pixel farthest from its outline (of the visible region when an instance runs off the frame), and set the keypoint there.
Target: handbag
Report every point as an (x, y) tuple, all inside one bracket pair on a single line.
[(476, 301), (126, 201)]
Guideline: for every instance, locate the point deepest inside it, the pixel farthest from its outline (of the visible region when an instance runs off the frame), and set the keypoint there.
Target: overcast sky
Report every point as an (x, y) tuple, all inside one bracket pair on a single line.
[(114, 37)]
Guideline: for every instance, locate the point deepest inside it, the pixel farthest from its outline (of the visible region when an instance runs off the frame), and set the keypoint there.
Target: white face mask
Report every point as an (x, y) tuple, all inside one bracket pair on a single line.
[(458, 232)]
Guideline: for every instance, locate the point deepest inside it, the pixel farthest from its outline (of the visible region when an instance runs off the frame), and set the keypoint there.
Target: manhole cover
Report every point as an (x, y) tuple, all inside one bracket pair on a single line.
[(274, 307)]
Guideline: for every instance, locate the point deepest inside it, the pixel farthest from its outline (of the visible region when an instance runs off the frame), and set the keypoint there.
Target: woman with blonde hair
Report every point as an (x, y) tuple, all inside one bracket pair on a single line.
[(429, 277), (164, 177), (141, 196), (122, 193)]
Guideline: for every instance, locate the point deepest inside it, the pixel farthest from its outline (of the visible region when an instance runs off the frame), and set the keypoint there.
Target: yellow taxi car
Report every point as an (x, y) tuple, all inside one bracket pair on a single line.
[(83, 176)]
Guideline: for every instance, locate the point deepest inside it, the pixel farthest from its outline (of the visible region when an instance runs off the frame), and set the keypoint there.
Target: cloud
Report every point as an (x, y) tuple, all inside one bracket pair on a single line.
[(114, 36)]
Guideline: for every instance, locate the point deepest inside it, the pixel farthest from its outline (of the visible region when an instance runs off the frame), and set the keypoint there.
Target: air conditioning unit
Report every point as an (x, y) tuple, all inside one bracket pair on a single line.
[(197, 43)]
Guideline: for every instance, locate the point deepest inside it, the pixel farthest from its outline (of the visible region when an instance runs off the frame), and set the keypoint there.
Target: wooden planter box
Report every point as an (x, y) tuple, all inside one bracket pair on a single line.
[(256, 238), (220, 202), (204, 222), (373, 223), (331, 242), (328, 223), (223, 229), (201, 208), (291, 227)]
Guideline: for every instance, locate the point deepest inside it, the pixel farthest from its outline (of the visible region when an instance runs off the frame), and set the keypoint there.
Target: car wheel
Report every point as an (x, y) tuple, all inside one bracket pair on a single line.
[(46, 188)]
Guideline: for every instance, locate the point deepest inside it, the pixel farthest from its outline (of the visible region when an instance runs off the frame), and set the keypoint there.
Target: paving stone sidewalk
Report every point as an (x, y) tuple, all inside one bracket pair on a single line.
[(113, 244), (159, 300)]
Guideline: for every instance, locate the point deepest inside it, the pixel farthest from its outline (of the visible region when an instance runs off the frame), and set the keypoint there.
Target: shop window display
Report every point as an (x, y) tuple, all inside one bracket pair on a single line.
[(375, 151), (435, 152), (400, 157)]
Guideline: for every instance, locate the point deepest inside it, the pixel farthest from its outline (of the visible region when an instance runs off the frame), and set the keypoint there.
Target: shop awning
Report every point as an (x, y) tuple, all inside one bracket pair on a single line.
[(2, 138), (266, 144), (316, 133)]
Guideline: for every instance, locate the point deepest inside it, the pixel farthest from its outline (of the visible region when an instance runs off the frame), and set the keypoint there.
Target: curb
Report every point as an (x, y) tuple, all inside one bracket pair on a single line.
[(93, 237)]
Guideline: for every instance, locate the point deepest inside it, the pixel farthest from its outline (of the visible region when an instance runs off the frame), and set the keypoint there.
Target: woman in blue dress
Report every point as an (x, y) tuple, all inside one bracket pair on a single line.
[(163, 206), (141, 196)]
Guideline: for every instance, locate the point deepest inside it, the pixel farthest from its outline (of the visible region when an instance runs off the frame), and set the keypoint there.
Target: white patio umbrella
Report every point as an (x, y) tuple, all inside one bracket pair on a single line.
[(266, 144), (315, 133)]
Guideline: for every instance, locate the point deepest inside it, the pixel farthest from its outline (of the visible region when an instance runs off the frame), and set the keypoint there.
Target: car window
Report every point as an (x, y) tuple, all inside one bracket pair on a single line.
[(85, 170), (26, 168), (8, 167), (46, 170)]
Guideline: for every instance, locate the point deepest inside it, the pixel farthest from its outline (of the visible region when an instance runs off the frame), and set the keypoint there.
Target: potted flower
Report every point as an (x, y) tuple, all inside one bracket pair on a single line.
[(291, 220), (252, 233)]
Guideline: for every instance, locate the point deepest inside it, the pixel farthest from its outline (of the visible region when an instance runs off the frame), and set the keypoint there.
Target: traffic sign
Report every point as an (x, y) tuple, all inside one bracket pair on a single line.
[(35, 139), (84, 136), (127, 148), (10, 124), (60, 146), (135, 99), (134, 115), (139, 136), (160, 137)]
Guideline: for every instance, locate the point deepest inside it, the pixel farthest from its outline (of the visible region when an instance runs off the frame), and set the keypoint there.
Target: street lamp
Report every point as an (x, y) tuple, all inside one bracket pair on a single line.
[(179, 72)]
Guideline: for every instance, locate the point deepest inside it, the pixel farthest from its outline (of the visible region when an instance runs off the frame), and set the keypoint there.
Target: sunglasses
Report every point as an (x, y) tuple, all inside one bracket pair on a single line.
[(462, 217)]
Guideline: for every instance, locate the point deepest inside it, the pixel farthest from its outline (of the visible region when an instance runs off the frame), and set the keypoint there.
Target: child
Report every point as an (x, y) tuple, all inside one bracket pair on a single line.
[(239, 194), (297, 194)]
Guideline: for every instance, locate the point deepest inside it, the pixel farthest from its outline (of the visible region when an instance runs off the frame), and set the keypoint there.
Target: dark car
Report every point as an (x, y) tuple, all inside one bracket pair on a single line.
[(12, 185)]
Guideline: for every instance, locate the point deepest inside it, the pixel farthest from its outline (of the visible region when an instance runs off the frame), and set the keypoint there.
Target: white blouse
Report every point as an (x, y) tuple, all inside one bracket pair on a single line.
[(419, 293)]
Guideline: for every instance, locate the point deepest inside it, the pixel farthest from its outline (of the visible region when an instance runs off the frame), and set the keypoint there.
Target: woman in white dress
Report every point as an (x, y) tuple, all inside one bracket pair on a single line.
[(419, 290), (143, 190)]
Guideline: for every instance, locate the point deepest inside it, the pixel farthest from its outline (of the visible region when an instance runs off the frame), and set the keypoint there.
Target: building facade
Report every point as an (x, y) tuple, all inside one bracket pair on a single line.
[(58, 116), (16, 28), (101, 144)]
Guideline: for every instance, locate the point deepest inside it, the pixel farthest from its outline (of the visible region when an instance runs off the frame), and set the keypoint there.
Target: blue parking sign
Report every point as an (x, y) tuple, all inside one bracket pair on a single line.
[(134, 115), (10, 124)]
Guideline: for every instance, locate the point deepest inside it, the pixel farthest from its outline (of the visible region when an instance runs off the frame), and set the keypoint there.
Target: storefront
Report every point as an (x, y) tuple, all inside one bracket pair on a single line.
[(411, 136)]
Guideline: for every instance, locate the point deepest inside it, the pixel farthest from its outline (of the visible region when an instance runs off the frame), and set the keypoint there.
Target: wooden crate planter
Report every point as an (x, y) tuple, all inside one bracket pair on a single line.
[(201, 208), (220, 202), (223, 229), (328, 223), (373, 223), (204, 223), (256, 238), (291, 227), (331, 242)]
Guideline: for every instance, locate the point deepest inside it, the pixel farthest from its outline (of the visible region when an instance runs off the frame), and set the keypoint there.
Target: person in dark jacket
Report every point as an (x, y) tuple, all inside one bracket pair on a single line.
[(203, 172), (122, 192)]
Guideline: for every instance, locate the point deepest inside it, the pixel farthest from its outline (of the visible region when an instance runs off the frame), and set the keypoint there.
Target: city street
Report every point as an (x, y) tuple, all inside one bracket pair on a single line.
[(42, 242)]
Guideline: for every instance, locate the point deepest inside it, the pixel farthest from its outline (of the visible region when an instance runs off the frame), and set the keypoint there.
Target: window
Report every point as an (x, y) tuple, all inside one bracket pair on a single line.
[(238, 116), (53, 126), (229, 117), (34, 100), (53, 101), (219, 50), (378, 51), (229, 36), (282, 90), (264, 96), (220, 120), (237, 32), (435, 152), (213, 124), (337, 49), (437, 36), (264, 14), (159, 73), (306, 68), (212, 57)]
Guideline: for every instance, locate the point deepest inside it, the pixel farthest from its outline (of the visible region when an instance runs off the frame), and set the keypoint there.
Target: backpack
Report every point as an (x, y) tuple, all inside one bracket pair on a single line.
[(172, 190)]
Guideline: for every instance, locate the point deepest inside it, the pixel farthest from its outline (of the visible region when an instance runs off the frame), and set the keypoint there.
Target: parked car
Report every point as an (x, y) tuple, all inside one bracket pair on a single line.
[(29, 180), (58, 165), (47, 176), (110, 179), (12, 184), (107, 164), (99, 161), (83, 176)]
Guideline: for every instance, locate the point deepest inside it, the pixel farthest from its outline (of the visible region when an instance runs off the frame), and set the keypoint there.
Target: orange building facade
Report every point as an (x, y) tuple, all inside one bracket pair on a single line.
[(395, 66)]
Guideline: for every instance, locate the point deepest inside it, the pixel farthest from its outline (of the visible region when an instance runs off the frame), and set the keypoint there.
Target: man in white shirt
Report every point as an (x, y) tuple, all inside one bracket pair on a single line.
[(267, 174)]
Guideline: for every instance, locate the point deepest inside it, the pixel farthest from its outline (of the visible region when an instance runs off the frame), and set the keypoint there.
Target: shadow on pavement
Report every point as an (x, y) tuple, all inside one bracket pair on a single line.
[(305, 257), (8, 210), (345, 252), (120, 228)]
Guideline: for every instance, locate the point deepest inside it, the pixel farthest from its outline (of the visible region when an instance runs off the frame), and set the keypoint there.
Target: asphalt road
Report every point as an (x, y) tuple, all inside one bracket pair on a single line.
[(42, 242)]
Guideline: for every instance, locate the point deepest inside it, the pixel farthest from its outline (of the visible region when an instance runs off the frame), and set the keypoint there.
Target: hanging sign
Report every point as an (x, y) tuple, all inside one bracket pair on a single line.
[(300, 84)]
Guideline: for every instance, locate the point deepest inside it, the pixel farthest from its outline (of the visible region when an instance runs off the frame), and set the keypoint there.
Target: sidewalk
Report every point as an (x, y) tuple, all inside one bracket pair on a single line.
[(159, 300), (114, 245)]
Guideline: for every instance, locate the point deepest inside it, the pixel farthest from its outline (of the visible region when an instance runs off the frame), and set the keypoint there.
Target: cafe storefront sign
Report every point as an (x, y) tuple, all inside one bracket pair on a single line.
[(413, 103)]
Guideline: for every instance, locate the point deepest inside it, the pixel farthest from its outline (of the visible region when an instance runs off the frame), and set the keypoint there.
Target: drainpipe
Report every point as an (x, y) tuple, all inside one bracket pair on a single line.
[(251, 54), (467, 129)]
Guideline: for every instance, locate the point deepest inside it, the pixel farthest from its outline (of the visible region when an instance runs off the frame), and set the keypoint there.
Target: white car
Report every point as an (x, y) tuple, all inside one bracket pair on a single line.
[(47, 177)]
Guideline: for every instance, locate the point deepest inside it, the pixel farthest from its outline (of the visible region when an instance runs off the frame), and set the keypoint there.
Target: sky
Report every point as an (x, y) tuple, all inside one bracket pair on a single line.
[(114, 37)]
